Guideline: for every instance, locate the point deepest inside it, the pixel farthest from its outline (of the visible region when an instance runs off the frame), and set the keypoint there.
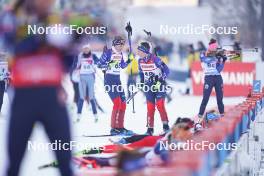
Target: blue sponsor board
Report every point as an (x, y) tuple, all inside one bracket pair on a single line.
[(256, 86)]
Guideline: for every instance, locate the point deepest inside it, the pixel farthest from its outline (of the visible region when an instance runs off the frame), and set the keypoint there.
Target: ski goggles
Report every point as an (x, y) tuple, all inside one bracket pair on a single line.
[(118, 42)]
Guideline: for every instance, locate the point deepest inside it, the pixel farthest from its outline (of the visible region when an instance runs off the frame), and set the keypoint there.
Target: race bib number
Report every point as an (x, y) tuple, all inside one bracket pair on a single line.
[(211, 65), (147, 74), (85, 67), (209, 68)]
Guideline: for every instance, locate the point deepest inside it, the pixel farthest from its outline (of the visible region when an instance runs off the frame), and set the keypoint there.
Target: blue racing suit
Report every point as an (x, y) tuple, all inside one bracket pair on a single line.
[(112, 62), (212, 67), (152, 71)]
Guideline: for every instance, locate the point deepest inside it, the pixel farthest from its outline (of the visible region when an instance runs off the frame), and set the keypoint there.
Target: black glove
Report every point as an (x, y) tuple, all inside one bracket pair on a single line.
[(141, 84), (155, 79), (130, 58), (129, 29), (221, 57), (152, 79)]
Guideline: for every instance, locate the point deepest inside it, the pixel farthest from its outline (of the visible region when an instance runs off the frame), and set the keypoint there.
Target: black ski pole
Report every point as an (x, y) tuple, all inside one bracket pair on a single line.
[(129, 34)]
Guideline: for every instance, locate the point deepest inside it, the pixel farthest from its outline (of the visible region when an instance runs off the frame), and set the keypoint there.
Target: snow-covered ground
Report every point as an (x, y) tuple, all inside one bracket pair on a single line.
[(186, 106)]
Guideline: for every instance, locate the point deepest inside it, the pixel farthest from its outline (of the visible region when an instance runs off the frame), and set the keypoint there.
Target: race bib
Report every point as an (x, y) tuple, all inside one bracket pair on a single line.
[(114, 66), (149, 70), (87, 66), (209, 68)]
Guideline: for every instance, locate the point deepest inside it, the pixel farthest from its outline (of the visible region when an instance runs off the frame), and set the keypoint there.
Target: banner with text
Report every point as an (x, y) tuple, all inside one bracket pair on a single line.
[(237, 77)]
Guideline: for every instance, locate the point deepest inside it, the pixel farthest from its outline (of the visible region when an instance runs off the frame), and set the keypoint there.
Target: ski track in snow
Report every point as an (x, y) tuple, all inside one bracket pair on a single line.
[(180, 106)]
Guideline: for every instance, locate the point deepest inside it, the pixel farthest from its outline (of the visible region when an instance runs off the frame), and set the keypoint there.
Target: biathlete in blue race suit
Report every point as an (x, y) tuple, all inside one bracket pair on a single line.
[(112, 61), (212, 64), (153, 73)]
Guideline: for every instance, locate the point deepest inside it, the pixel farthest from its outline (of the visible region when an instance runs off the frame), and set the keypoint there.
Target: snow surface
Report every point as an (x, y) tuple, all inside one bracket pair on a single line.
[(186, 106)]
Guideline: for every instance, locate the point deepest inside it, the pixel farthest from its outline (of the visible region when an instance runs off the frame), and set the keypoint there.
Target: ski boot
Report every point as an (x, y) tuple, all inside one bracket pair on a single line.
[(95, 118), (166, 128), (116, 131), (150, 131), (127, 132), (78, 118), (187, 92)]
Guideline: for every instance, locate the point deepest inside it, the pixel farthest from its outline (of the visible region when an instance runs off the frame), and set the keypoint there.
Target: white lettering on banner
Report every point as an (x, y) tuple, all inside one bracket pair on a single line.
[(238, 78), (229, 78), (198, 77)]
